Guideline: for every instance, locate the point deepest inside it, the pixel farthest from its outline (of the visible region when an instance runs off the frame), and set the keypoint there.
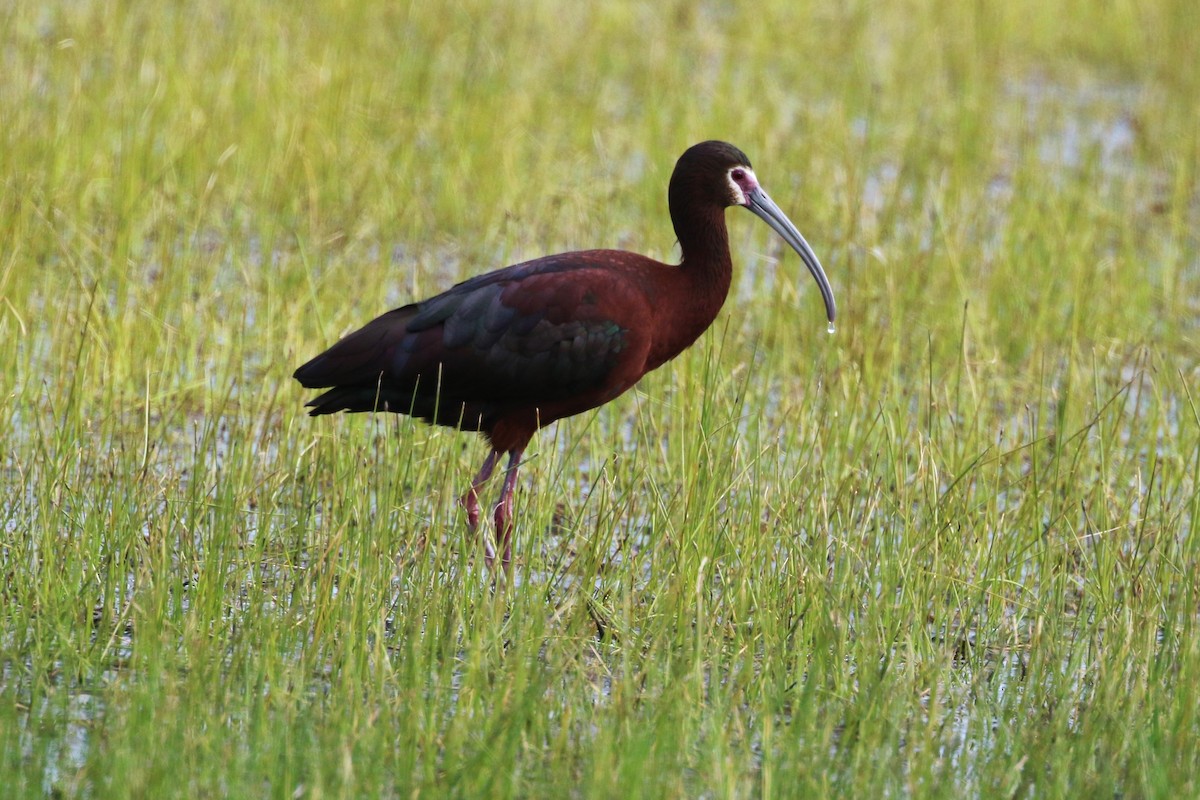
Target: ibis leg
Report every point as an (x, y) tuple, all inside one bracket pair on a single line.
[(504, 509), (470, 501)]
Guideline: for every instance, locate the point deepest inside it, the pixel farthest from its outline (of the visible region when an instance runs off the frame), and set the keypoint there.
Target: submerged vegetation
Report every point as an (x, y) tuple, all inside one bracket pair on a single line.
[(950, 550)]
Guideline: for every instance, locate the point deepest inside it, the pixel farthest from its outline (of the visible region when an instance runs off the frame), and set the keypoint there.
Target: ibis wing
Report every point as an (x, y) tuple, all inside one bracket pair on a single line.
[(536, 333)]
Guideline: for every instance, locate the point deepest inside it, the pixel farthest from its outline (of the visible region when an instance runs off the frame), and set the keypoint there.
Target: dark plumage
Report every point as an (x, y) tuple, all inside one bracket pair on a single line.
[(513, 350)]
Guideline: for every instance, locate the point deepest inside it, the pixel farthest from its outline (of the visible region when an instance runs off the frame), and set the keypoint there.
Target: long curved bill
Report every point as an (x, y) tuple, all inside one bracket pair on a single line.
[(758, 202)]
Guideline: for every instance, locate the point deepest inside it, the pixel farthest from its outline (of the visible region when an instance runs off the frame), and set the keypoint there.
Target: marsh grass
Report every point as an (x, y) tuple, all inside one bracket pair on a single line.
[(949, 551)]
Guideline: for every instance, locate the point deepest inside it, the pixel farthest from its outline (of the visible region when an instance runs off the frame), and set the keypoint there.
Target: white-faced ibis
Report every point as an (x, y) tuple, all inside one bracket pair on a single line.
[(511, 351)]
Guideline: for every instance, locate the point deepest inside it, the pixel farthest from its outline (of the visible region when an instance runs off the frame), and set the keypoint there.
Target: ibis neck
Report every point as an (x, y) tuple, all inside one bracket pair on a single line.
[(704, 239), (699, 287), (706, 265)]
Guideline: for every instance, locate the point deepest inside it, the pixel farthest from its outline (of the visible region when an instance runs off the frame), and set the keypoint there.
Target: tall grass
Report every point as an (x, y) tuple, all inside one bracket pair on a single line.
[(949, 551)]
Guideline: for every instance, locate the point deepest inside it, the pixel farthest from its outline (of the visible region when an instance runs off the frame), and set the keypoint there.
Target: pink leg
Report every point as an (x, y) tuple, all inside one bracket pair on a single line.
[(504, 509), (470, 501)]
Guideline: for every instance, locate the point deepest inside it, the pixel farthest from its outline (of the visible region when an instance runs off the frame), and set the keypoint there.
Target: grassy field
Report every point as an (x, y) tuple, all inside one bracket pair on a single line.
[(950, 551)]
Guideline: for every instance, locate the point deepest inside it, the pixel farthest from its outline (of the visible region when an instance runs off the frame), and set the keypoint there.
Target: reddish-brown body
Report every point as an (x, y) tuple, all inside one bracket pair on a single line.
[(514, 350)]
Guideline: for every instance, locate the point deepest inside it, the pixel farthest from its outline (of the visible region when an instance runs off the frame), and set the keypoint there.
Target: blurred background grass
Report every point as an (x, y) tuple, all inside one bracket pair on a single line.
[(950, 550)]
